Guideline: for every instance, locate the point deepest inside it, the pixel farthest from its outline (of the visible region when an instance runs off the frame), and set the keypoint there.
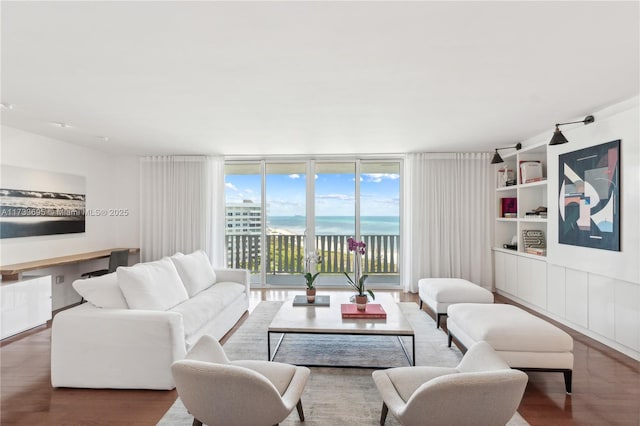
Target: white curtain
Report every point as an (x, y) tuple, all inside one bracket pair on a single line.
[(182, 206), (447, 222)]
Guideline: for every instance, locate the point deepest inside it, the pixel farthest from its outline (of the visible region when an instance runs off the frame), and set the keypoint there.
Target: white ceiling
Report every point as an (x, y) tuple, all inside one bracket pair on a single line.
[(241, 78)]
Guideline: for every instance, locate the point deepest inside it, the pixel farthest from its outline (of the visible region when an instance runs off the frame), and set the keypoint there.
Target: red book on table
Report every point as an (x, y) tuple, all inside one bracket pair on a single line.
[(372, 311)]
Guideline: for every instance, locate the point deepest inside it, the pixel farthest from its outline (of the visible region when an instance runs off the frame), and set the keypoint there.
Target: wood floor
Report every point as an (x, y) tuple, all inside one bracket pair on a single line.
[(606, 387)]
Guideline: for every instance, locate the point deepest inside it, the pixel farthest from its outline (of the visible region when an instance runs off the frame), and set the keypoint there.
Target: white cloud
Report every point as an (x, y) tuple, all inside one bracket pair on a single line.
[(294, 176), (231, 186), (343, 197), (379, 177)]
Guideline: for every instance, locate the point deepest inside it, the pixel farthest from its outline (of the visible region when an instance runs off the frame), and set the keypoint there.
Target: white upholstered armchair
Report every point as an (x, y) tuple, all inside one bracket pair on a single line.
[(481, 390), (217, 391)]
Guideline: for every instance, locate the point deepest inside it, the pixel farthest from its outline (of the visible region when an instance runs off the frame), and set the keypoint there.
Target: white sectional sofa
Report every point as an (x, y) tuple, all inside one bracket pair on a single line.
[(140, 319)]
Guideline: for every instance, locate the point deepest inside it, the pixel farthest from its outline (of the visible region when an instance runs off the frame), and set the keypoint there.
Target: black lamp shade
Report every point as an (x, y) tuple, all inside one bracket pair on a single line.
[(496, 158), (558, 138)]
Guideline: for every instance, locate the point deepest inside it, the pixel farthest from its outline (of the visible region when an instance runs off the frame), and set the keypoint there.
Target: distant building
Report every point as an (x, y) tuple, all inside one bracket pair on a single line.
[(243, 218), (243, 223)]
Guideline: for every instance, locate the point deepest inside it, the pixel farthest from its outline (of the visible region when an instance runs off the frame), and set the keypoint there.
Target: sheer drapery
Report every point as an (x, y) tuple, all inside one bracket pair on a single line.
[(182, 206), (447, 218)]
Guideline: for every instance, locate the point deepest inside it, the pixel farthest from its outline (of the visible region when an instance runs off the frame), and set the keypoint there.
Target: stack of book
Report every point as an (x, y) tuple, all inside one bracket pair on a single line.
[(372, 311), (536, 251), (509, 207), (505, 177), (539, 213)]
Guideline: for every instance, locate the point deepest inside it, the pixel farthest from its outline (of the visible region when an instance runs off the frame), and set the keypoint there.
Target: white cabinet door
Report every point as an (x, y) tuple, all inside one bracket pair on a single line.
[(602, 305), (538, 277), (511, 273), (532, 281), (577, 302), (627, 315), (556, 290), (501, 283), (25, 304)]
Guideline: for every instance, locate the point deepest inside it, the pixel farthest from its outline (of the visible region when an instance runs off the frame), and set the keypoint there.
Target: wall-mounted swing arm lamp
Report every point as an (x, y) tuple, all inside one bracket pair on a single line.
[(558, 138), (496, 157)]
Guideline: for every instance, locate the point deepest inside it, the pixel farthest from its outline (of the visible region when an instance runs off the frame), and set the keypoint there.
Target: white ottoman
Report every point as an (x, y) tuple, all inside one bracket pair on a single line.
[(440, 293), (525, 341)]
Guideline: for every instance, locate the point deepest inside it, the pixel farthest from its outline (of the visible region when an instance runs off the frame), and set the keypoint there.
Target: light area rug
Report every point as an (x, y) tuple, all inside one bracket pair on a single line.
[(336, 396)]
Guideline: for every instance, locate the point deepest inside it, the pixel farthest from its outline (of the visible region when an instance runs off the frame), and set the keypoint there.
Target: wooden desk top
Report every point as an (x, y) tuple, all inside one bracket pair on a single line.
[(12, 272)]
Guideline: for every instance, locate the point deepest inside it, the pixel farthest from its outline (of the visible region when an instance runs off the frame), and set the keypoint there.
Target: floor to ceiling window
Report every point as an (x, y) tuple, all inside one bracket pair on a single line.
[(335, 218), (281, 214), (380, 219), (244, 221), (286, 203)]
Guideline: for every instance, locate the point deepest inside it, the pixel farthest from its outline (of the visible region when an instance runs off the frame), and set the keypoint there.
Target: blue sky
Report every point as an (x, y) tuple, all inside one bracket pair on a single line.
[(335, 193)]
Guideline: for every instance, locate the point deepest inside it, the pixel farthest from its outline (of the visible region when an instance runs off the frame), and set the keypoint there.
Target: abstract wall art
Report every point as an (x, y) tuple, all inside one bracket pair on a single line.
[(589, 199), (37, 202)]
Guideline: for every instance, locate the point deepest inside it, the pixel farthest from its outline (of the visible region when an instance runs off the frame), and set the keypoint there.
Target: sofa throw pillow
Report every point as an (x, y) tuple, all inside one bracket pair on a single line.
[(102, 291), (195, 270), (152, 285)]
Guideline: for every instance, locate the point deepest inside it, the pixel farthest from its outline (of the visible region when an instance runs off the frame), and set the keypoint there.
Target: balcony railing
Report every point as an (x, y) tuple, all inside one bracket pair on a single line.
[(285, 253)]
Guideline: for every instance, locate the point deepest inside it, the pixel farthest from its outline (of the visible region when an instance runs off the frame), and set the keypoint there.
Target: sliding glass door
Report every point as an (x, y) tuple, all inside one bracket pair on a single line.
[(286, 205), (335, 218), (380, 220), (278, 212)]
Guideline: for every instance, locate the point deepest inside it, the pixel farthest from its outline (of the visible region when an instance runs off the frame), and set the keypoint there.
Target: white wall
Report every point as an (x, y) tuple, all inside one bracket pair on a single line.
[(617, 122), (111, 182), (597, 292)]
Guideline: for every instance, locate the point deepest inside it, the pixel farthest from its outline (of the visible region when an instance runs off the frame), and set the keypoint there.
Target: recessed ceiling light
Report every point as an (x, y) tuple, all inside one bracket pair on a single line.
[(63, 125), (7, 106), (104, 138)]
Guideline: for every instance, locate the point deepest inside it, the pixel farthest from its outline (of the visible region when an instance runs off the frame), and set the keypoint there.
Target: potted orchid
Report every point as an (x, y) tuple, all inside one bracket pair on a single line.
[(358, 249), (312, 257)]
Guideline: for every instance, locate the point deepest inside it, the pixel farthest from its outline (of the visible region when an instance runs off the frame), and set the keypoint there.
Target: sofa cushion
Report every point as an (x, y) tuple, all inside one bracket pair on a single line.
[(152, 285), (201, 309), (102, 291), (195, 270)]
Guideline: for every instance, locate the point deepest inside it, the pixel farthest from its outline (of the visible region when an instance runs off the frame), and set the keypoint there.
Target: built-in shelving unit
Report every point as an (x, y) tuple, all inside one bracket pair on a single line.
[(528, 196), (518, 273)]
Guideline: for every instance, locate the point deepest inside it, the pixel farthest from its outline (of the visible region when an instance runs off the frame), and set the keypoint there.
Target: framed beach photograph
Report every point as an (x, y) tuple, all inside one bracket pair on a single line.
[(589, 198), (37, 202)]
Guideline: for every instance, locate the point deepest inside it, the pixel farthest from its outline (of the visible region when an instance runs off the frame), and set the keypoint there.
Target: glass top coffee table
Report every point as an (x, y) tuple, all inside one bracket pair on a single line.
[(328, 320)]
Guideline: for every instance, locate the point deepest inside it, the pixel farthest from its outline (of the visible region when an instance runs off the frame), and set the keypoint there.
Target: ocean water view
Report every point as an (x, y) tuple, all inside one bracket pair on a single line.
[(336, 225)]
